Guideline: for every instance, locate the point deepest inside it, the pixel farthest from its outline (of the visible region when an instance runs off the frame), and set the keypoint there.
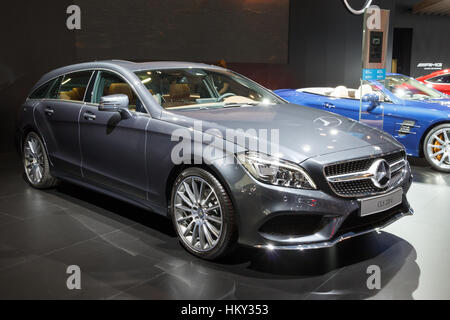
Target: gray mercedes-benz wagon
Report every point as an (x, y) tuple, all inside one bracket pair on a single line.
[(156, 134)]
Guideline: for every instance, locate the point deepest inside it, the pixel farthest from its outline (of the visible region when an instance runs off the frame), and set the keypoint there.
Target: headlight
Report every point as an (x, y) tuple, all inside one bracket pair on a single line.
[(275, 171)]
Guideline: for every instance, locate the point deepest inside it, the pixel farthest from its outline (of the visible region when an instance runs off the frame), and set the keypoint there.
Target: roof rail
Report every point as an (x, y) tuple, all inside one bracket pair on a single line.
[(121, 60), (116, 60)]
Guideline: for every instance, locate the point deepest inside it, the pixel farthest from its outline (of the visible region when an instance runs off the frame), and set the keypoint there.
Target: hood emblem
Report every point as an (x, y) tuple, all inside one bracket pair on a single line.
[(330, 122), (381, 173)]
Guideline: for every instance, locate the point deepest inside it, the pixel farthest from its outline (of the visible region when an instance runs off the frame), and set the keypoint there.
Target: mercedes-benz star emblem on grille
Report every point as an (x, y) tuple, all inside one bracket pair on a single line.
[(381, 173)]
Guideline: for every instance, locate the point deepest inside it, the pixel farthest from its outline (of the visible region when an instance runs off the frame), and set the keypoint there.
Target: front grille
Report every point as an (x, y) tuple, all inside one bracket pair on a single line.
[(364, 187), (348, 167), (352, 188), (394, 157), (361, 164)]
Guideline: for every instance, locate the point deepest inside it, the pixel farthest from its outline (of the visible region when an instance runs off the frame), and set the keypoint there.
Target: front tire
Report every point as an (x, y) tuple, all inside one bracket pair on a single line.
[(36, 164), (436, 147), (203, 214)]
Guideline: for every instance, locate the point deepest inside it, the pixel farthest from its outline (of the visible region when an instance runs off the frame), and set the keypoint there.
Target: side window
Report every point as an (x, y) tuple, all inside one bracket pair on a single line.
[(173, 88), (225, 85), (109, 83), (440, 79), (41, 92), (446, 78), (74, 85)]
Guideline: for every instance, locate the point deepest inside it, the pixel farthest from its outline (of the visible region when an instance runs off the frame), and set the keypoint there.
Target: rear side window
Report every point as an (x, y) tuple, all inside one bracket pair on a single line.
[(73, 86), (440, 79), (41, 92)]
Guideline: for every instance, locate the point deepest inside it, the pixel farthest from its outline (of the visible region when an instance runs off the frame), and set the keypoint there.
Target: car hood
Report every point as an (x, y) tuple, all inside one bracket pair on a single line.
[(303, 132)]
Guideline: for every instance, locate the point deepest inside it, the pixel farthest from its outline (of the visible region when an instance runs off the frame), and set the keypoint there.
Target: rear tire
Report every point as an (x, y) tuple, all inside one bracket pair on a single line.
[(35, 163), (203, 214)]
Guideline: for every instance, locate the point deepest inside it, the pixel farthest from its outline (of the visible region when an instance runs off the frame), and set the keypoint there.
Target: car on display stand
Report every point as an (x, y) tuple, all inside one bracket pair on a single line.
[(413, 113), (113, 126), (439, 80)]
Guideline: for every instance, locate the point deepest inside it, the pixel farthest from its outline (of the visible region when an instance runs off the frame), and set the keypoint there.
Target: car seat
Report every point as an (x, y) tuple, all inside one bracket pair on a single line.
[(339, 92)]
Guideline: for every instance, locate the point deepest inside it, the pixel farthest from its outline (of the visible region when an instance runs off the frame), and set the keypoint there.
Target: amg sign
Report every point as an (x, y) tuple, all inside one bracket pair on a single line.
[(430, 66)]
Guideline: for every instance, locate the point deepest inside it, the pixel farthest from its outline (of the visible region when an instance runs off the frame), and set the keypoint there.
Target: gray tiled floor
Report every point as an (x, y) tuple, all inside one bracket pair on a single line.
[(128, 253)]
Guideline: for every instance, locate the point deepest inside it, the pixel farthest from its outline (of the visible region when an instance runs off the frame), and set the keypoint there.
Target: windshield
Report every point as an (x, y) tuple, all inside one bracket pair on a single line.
[(408, 88), (203, 88)]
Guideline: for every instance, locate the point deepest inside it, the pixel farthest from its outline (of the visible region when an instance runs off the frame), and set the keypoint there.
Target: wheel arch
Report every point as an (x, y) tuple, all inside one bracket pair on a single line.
[(23, 134), (177, 169), (430, 127), (26, 130)]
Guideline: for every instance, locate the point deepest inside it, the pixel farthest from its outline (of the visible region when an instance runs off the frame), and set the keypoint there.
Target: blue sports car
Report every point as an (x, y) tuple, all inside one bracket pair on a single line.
[(416, 115)]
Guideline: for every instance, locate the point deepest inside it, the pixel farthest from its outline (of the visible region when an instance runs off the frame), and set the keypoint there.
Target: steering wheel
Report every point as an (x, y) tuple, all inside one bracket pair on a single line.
[(225, 95)]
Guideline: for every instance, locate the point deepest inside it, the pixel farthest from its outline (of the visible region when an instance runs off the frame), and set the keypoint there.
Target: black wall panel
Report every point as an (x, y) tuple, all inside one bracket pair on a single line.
[(324, 45), (34, 40)]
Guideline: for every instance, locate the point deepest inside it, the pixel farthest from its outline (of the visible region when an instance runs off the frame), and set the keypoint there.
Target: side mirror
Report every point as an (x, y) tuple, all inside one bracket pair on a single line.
[(373, 99), (115, 103)]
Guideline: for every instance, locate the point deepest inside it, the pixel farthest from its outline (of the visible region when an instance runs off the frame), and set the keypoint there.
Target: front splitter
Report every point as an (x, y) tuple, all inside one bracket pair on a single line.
[(331, 243)]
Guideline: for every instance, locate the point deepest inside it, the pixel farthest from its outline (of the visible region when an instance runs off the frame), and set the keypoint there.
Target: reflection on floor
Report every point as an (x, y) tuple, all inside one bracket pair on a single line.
[(127, 253)]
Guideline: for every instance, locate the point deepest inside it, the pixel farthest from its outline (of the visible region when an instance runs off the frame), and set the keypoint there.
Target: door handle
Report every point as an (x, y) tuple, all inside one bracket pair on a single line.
[(89, 116), (49, 112), (328, 105)]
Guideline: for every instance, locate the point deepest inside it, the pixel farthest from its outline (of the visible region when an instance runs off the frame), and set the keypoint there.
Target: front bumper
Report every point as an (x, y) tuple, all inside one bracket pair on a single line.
[(305, 219), (339, 238)]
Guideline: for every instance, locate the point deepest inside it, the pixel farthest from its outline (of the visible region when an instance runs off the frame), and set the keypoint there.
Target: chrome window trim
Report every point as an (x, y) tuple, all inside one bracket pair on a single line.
[(88, 84)]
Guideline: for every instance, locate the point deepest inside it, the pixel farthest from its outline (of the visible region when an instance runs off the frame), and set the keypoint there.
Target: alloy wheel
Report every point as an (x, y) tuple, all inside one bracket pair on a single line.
[(34, 159), (438, 148), (198, 214)]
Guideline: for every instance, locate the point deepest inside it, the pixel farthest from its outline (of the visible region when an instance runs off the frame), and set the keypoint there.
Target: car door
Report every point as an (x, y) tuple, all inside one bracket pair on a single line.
[(57, 119), (113, 148), (345, 107)]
